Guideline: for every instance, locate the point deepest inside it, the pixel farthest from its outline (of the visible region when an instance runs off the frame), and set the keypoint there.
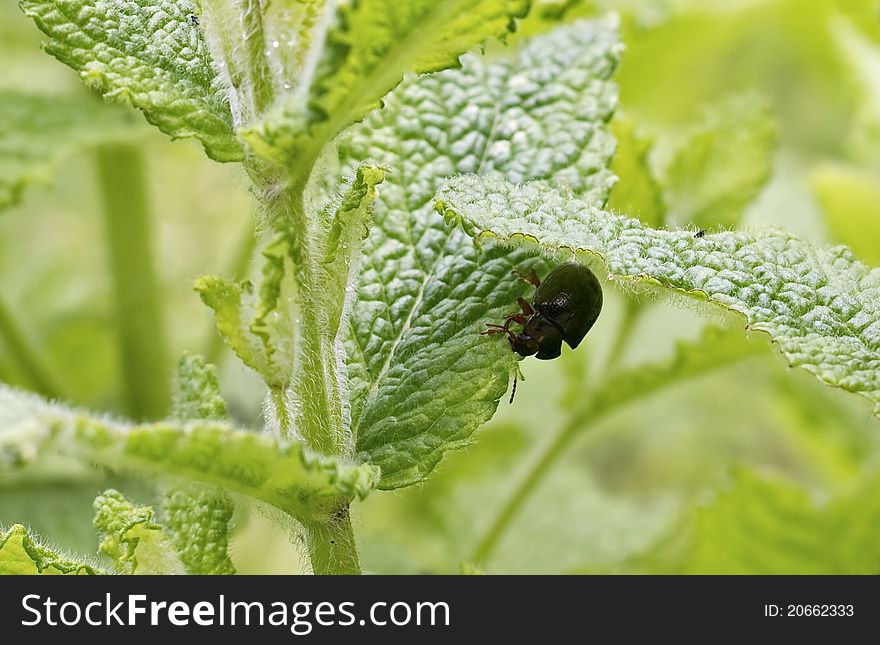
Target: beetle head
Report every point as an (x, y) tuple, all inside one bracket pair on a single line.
[(523, 344)]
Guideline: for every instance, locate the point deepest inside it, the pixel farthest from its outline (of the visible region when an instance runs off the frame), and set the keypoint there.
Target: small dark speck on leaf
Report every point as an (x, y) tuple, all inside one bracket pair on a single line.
[(194, 19), (699, 233)]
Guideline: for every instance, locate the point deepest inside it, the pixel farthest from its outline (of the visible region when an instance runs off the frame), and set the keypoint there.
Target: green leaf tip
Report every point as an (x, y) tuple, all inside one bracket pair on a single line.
[(197, 392), (819, 305), (22, 554), (131, 538), (148, 55)]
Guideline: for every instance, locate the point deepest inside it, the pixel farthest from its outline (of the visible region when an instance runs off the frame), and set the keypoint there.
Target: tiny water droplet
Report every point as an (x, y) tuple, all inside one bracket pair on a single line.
[(287, 86), (275, 43)]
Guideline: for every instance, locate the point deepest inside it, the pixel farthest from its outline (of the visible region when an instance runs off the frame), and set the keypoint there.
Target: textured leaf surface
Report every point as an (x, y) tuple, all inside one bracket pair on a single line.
[(21, 554), (721, 164), (282, 473), (821, 306), (422, 378), (198, 520), (198, 517), (132, 538), (148, 54), (37, 131), (367, 51), (197, 392)]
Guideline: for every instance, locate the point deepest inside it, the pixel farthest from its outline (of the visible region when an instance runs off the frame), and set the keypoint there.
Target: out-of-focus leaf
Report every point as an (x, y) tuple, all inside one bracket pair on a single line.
[(850, 200), (721, 164), (38, 131), (693, 57), (863, 57), (766, 525), (636, 192)]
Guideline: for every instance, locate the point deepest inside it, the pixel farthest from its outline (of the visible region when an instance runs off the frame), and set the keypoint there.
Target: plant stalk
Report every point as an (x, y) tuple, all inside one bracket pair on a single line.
[(332, 547), (139, 319)]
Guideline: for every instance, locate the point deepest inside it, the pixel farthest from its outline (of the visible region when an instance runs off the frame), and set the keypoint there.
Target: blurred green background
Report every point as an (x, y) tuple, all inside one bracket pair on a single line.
[(752, 467)]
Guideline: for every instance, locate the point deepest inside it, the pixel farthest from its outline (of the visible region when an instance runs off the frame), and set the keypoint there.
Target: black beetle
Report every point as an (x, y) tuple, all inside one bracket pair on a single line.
[(565, 307)]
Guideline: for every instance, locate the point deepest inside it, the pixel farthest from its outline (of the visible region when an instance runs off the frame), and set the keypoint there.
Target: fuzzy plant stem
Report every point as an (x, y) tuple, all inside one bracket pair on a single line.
[(332, 547)]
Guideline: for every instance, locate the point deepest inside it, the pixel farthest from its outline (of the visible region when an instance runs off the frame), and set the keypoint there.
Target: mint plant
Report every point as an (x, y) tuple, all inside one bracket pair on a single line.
[(400, 178)]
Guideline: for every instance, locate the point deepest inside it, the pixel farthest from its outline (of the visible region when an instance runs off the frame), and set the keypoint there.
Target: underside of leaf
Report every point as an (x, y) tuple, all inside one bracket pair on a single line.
[(820, 305)]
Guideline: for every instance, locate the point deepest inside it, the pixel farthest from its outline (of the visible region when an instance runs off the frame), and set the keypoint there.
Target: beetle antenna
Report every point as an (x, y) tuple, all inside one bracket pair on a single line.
[(513, 392)]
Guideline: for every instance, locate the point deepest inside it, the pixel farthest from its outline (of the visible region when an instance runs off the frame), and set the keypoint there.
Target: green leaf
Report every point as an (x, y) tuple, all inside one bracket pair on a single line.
[(284, 474), (821, 306), (131, 538), (721, 164), (764, 525), (368, 49), (198, 521), (38, 131), (637, 192), (21, 554), (198, 517), (422, 379), (234, 304), (197, 394), (375, 43), (149, 55), (850, 200)]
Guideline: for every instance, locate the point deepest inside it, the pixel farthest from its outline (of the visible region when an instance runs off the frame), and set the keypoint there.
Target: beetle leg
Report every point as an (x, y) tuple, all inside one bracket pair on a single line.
[(513, 392), (532, 278), (505, 328), (525, 306), (493, 329)]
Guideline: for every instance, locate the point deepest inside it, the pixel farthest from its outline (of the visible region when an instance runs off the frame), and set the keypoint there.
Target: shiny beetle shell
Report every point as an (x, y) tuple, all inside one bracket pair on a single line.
[(567, 304)]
